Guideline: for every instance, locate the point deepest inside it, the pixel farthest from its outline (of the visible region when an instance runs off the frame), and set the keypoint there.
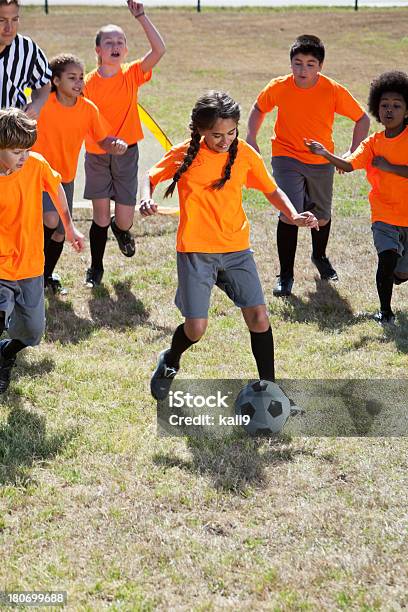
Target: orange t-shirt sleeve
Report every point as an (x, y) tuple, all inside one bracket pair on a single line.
[(362, 156), (258, 176), (51, 179), (346, 105), (166, 168), (140, 77), (99, 128), (266, 100)]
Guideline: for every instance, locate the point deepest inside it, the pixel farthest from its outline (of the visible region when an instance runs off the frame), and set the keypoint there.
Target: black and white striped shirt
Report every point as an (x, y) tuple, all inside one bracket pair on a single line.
[(22, 64)]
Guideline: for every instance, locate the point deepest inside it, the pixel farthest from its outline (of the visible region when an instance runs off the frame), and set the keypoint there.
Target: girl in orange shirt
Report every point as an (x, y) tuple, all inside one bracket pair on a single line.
[(213, 235), (384, 156), (65, 120)]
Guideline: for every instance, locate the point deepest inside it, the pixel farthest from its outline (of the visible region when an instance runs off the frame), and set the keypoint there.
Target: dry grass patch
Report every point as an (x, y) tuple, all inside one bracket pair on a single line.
[(91, 500)]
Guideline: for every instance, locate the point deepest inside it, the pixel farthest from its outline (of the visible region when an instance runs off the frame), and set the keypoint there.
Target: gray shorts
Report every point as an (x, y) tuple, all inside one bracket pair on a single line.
[(308, 186), (22, 302), (389, 237), (235, 273), (112, 176), (48, 206)]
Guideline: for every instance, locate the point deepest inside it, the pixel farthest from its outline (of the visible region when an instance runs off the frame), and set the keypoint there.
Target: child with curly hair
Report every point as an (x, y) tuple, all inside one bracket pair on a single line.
[(384, 156)]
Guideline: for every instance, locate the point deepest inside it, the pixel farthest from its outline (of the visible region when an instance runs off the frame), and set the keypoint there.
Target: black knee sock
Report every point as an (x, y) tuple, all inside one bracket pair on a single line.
[(48, 232), (262, 349), (286, 237), (179, 344), (387, 260), (52, 255), (97, 241), (12, 348), (320, 239)]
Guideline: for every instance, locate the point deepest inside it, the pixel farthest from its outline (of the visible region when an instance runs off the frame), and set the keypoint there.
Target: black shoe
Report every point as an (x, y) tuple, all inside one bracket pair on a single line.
[(5, 368), (93, 277), (125, 239), (385, 317), (326, 270), (283, 287), (162, 378), (54, 283)]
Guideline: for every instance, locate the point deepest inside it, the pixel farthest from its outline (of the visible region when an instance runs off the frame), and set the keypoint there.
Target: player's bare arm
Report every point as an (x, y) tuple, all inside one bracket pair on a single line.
[(383, 164), (158, 47), (280, 200), (318, 149), (255, 120), (38, 99)]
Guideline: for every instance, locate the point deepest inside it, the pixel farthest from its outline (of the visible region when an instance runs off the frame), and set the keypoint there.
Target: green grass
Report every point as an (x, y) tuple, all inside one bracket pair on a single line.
[(92, 501)]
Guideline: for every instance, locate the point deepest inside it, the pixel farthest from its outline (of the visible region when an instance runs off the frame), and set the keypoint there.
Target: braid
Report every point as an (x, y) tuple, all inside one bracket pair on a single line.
[(189, 157), (233, 150)]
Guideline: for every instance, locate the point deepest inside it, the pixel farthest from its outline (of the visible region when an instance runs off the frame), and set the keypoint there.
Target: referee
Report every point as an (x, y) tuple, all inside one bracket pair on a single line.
[(22, 64)]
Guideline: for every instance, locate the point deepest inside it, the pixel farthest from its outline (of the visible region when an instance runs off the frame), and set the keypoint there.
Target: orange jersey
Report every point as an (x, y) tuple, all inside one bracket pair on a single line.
[(21, 218), (213, 221), (116, 98), (61, 132), (306, 113), (389, 192)]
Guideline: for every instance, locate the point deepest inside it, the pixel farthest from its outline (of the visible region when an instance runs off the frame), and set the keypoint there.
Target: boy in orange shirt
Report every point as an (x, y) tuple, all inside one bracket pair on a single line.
[(213, 234), (384, 156), (23, 178), (113, 87), (307, 102)]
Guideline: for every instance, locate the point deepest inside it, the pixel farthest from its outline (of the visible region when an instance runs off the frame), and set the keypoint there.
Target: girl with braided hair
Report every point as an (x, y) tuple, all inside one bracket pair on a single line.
[(213, 234)]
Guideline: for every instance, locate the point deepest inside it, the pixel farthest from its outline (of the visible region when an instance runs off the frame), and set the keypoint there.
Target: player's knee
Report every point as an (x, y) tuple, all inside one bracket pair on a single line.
[(258, 320), (2, 321), (51, 220), (195, 329), (58, 237)]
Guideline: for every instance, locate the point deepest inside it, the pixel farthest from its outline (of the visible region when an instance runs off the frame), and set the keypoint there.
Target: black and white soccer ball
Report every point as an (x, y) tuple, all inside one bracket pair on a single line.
[(267, 407)]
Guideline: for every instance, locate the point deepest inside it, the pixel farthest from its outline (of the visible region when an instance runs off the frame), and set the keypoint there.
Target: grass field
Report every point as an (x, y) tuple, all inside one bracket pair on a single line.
[(91, 500)]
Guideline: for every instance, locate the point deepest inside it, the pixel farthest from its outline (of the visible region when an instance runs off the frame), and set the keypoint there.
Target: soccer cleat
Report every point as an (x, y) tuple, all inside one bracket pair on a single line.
[(162, 378), (385, 317), (125, 239), (93, 277), (5, 367), (54, 283), (283, 287), (326, 270)]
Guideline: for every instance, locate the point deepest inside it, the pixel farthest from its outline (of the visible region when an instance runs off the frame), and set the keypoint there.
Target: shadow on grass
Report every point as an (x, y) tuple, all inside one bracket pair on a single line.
[(397, 334), (25, 441), (325, 306), (120, 313), (34, 369), (236, 463)]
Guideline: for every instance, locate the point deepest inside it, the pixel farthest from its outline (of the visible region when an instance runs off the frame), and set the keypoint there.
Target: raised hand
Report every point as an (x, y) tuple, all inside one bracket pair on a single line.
[(136, 8)]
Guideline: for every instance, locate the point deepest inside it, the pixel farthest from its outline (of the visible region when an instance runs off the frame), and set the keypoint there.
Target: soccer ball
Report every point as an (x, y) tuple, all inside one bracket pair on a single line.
[(266, 405)]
